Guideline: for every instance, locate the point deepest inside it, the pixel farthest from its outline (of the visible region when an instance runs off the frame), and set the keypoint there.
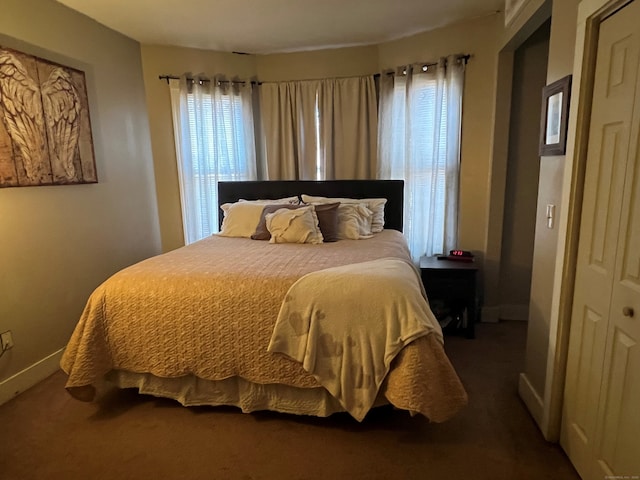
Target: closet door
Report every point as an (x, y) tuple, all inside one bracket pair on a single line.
[(617, 447), (602, 385)]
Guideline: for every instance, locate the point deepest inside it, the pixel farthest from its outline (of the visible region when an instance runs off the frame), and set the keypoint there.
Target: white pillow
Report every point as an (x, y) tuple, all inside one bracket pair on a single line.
[(294, 226), (376, 205), (354, 221), (286, 200), (240, 219)]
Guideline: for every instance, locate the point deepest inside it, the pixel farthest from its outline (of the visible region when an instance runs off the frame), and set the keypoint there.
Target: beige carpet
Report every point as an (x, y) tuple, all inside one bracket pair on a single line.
[(45, 434)]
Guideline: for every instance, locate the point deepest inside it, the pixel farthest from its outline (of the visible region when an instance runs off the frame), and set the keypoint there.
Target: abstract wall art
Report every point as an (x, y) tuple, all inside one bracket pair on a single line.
[(45, 129)]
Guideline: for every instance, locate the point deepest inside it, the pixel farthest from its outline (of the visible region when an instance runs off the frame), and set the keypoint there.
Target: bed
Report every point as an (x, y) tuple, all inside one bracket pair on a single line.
[(303, 328)]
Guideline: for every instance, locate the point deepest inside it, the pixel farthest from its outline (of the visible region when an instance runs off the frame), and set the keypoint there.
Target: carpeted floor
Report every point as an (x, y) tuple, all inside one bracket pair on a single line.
[(45, 434)]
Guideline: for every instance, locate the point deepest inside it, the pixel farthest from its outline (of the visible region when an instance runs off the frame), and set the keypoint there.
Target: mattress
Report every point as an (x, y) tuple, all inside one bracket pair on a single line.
[(200, 318)]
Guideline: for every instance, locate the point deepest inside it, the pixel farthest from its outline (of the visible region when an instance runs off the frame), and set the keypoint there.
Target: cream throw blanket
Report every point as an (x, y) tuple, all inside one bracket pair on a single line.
[(346, 324)]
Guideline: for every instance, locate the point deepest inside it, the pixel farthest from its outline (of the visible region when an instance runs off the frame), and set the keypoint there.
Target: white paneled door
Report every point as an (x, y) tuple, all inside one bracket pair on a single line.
[(601, 415)]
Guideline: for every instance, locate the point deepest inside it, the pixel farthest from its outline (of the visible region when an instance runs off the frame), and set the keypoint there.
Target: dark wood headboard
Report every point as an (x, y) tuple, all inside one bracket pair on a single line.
[(392, 190)]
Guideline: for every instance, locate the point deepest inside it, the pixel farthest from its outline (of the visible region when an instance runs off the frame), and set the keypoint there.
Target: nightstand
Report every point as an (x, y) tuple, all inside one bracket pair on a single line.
[(454, 283)]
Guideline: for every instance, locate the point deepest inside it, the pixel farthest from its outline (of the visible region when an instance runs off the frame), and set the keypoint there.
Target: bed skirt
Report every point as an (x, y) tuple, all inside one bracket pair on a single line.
[(234, 391)]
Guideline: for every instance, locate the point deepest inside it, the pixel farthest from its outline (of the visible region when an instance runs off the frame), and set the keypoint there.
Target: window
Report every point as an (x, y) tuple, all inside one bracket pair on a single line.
[(419, 142), (213, 127)]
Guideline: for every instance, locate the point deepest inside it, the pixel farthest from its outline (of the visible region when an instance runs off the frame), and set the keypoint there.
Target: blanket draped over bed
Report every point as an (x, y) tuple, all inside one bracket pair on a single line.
[(346, 324), (209, 309)]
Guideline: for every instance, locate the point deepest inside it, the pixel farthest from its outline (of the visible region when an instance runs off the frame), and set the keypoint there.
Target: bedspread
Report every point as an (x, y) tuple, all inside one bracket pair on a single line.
[(209, 309), (346, 324)]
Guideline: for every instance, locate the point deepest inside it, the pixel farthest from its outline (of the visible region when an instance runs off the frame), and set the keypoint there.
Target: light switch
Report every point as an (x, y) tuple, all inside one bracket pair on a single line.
[(551, 213)]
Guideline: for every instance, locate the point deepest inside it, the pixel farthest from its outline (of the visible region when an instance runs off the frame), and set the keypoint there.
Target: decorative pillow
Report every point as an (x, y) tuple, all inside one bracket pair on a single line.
[(294, 226), (376, 205), (354, 221), (279, 201), (240, 219), (261, 232), (327, 214)]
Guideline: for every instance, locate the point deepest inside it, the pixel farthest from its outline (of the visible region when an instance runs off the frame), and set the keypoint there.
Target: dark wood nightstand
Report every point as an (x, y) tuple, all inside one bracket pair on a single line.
[(454, 283)]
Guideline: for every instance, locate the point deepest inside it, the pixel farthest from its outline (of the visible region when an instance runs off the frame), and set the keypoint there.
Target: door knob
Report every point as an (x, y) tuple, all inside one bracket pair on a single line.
[(627, 311)]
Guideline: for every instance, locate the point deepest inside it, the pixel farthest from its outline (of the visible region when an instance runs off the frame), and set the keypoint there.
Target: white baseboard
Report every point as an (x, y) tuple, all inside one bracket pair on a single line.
[(30, 376), (514, 312), (490, 314), (531, 399)]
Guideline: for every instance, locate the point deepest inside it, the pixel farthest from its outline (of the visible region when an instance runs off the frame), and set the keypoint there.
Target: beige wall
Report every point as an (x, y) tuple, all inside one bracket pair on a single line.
[(521, 189), (563, 32), (544, 278), (479, 37), (58, 243), (561, 50), (338, 62), (531, 16)]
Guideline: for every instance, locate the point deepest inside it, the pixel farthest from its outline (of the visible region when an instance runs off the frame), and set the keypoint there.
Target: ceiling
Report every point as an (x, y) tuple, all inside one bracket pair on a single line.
[(270, 26)]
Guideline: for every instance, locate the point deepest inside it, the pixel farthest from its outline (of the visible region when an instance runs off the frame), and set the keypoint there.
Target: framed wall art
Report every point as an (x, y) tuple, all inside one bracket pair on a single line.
[(45, 130), (554, 117)]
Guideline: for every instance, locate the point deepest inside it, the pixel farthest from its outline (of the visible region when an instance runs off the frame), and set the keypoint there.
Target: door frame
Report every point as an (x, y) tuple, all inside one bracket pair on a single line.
[(591, 13)]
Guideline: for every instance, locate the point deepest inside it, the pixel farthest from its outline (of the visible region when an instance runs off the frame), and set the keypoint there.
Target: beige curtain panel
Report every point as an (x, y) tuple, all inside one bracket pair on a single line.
[(320, 129), (288, 112)]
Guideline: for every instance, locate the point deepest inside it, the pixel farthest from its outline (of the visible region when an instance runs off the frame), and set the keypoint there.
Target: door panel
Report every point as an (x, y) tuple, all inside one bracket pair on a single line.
[(618, 449), (606, 207), (590, 350), (617, 67), (600, 423), (630, 233)]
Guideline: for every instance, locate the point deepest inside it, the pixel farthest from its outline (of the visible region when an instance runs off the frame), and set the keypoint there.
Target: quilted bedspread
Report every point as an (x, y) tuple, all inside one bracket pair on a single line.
[(209, 309)]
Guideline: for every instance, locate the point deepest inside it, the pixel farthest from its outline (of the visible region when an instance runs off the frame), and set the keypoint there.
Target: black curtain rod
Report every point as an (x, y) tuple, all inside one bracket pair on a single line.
[(193, 79), (464, 58)]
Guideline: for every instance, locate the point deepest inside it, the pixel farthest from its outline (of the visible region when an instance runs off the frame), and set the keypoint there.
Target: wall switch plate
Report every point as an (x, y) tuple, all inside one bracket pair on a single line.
[(551, 213), (7, 340)]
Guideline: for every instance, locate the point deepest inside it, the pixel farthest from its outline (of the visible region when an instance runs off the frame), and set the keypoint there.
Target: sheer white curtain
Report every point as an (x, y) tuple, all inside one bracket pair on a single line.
[(214, 137), (419, 142), (320, 129)]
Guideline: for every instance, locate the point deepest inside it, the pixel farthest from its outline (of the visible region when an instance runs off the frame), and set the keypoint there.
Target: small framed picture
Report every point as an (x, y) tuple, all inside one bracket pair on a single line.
[(554, 117)]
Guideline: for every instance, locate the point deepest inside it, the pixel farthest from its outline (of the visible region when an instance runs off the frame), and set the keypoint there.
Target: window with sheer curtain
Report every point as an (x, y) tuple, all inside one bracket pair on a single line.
[(418, 123), (419, 142), (213, 128)]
